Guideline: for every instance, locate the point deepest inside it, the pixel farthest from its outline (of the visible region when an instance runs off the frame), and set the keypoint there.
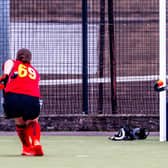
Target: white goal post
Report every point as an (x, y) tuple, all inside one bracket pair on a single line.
[(162, 69)]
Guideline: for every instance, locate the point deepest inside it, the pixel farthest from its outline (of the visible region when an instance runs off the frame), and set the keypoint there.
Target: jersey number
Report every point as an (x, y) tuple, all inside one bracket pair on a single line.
[(24, 71)]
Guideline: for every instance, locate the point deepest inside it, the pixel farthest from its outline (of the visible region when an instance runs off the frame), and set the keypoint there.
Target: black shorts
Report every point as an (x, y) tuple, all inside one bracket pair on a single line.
[(19, 105)]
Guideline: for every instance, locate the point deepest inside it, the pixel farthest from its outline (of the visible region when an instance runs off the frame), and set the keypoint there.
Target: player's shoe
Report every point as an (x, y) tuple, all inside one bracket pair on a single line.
[(27, 151), (37, 150)]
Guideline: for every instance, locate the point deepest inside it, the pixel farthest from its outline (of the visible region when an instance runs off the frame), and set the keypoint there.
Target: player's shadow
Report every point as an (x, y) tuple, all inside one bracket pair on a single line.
[(10, 155), (18, 156)]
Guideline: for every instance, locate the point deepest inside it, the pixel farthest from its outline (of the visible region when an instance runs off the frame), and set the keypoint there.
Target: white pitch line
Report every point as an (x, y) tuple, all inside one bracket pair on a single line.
[(51, 141), (100, 80), (82, 156)]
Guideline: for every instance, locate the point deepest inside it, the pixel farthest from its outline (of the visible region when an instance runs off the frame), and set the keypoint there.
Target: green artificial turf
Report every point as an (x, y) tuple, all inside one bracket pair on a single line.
[(86, 152)]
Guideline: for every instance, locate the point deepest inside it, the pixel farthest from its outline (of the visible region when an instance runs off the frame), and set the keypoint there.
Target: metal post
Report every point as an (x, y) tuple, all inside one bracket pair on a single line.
[(101, 53), (162, 69), (85, 57), (4, 40), (112, 56)]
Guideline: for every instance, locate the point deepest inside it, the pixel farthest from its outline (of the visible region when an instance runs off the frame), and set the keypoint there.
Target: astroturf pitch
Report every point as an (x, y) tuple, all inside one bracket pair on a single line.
[(86, 152)]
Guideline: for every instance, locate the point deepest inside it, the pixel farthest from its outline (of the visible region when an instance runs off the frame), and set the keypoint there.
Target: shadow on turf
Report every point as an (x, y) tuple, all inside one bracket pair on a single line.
[(10, 155), (19, 155)]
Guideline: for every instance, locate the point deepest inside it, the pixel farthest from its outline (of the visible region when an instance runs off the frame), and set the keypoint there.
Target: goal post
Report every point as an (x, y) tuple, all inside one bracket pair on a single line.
[(162, 69)]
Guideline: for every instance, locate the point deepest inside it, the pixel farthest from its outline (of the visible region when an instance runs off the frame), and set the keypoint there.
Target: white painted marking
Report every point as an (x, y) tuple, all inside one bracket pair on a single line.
[(82, 156), (100, 80)]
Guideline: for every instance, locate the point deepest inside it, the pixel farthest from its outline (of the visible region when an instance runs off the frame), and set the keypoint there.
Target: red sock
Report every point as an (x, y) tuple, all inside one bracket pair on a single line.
[(21, 131), (34, 131)]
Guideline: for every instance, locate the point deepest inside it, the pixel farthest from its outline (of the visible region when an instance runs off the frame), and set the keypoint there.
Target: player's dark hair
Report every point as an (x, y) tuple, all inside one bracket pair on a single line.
[(24, 55)]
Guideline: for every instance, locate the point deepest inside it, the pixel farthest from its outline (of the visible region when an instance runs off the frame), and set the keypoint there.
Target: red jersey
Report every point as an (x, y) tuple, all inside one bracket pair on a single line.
[(23, 79)]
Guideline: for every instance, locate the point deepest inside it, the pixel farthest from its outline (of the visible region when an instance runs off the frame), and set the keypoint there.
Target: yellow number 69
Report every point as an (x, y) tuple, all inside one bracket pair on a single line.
[(23, 71)]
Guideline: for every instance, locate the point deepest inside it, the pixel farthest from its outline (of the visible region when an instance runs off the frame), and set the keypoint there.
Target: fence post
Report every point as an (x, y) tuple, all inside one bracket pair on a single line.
[(85, 58), (101, 54), (112, 56), (4, 41)]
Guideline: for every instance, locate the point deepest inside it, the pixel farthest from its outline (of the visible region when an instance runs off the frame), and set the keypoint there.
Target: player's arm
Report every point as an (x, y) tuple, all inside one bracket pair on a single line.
[(7, 68), (8, 65)]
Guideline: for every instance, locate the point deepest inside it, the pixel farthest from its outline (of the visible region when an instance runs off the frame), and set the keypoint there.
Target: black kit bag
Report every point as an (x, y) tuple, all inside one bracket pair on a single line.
[(126, 133)]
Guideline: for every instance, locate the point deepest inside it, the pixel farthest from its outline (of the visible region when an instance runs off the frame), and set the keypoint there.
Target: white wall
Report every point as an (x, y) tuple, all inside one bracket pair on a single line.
[(56, 48)]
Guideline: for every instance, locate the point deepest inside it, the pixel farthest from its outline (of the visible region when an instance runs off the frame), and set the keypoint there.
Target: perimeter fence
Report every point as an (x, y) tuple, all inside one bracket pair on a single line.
[(108, 68)]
